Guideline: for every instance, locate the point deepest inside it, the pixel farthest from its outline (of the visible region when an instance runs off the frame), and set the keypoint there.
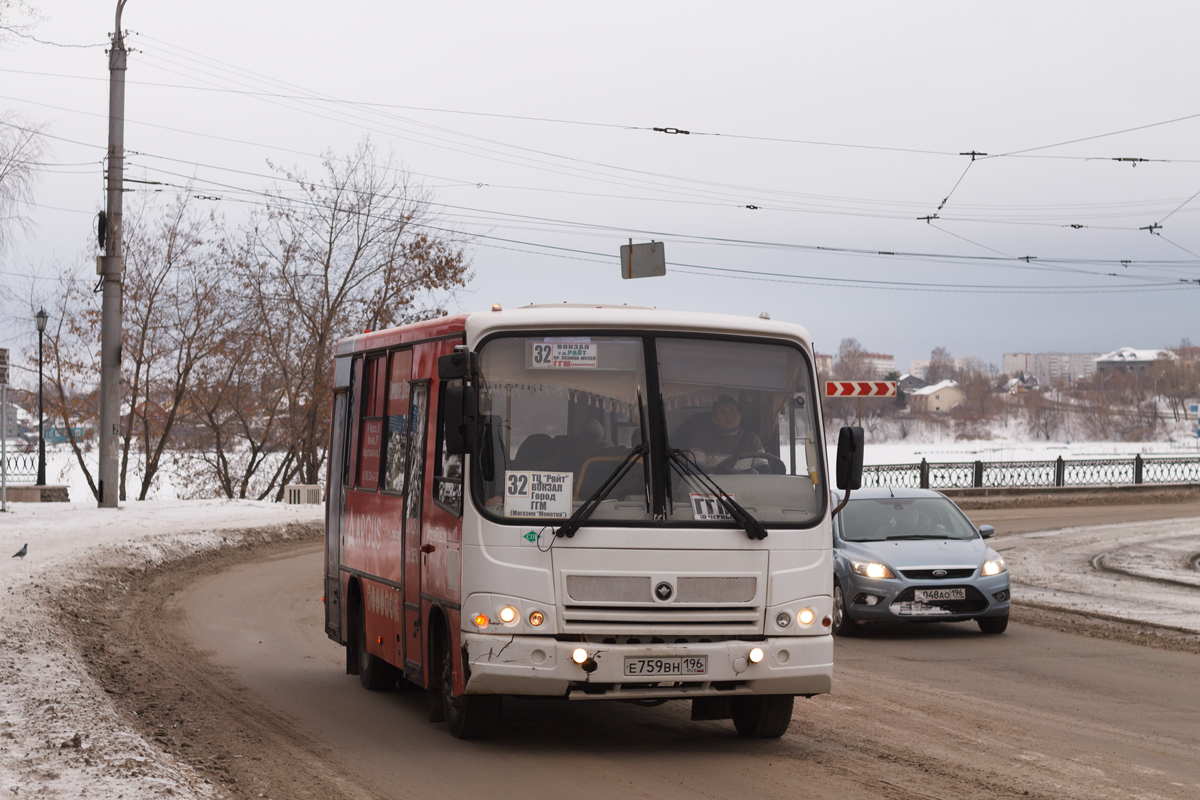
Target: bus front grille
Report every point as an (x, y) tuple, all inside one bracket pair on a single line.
[(642, 620)]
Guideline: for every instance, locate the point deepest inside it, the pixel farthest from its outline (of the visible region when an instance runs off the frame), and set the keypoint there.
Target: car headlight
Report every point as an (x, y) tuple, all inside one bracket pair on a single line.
[(871, 569), (994, 566)]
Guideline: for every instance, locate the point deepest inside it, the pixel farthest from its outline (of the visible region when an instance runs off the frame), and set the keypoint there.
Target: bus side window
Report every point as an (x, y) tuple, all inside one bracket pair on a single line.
[(448, 470), (371, 437)]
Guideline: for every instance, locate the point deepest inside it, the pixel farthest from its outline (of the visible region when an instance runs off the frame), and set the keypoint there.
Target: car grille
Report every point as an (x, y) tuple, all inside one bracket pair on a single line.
[(906, 607), (927, 574)]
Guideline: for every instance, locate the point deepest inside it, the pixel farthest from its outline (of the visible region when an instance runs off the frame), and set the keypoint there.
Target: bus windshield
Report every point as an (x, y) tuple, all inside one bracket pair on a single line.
[(560, 413)]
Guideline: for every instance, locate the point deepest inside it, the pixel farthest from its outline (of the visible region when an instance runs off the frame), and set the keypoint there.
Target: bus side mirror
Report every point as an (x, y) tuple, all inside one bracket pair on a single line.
[(850, 458), (458, 365), (461, 418)]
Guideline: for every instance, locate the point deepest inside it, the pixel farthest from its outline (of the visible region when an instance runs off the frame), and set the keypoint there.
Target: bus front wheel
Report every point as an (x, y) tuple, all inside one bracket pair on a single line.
[(762, 716), (468, 716)]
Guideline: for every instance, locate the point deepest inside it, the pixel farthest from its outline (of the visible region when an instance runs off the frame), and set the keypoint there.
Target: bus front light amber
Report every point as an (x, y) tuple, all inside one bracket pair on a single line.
[(481, 621), (508, 615), (806, 616), (536, 618), (579, 656), (756, 655)]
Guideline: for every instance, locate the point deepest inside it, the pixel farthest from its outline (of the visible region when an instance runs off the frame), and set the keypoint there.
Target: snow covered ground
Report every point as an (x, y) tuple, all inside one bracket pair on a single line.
[(59, 734)]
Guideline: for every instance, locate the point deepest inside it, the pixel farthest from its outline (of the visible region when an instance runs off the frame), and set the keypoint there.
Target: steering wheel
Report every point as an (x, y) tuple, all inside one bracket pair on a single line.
[(776, 465)]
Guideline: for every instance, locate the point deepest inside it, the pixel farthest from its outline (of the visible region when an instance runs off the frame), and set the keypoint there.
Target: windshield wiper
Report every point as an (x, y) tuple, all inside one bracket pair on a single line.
[(589, 506), (691, 468)]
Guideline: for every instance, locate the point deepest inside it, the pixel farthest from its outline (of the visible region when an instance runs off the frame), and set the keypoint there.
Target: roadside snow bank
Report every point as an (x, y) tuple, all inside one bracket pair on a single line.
[(60, 735)]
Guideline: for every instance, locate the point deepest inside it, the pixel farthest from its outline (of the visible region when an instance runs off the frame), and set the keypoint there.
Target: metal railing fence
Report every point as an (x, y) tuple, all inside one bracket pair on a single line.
[(21, 467), (1034, 474)]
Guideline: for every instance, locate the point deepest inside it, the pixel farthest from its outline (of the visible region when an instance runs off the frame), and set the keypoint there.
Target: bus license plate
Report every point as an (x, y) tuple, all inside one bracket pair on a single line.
[(671, 665), (934, 595)]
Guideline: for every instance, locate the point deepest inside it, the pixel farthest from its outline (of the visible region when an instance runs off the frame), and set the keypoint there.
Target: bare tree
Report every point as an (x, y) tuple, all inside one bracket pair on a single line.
[(176, 313), (21, 147), (358, 250), (941, 366)]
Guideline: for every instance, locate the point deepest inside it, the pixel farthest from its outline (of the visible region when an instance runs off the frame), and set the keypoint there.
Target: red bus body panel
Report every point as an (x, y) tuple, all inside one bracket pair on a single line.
[(404, 569)]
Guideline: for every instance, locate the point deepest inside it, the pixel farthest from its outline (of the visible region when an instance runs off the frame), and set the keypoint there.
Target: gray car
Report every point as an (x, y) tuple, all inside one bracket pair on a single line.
[(911, 555)]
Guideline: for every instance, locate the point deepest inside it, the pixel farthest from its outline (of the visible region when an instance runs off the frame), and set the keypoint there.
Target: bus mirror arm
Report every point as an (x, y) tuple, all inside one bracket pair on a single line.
[(461, 419), (849, 462)]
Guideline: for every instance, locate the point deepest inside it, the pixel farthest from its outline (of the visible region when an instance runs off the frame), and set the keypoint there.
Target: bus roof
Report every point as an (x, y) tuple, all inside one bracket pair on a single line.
[(477, 325)]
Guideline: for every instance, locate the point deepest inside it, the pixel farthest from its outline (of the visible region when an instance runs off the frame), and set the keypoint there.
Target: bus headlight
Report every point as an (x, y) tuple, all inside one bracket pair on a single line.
[(580, 655), (508, 615), (481, 621), (756, 655), (806, 617), (782, 619), (536, 618)]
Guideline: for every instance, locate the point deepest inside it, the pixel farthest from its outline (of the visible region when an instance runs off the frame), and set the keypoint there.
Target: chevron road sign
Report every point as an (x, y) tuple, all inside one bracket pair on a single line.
[(860, 388)]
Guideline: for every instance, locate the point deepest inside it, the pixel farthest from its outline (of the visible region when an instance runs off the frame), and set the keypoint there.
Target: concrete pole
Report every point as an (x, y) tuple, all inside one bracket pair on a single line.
[(41, 472), (111, 311)]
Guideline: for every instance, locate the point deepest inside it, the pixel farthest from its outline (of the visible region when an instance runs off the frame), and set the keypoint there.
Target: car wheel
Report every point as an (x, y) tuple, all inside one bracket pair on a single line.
[(470, 716), (993, 624), (762, 716), (842, 624)]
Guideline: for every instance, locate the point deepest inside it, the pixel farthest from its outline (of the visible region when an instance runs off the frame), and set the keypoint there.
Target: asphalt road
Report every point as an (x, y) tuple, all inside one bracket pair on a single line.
[(937, 711)]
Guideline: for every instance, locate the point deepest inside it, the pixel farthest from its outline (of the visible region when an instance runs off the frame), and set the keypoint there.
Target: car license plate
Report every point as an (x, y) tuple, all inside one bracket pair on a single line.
[(936, 595), (670, 665)]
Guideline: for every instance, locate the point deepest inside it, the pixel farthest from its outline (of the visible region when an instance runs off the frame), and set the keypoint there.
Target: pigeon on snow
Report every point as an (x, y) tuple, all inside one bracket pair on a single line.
[(21, 553)]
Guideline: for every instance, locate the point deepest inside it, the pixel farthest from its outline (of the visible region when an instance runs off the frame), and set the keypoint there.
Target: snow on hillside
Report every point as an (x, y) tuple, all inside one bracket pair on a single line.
[(59, 734)]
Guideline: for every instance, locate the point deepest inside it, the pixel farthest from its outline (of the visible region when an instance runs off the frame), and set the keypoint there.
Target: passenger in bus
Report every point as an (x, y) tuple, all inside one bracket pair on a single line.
[(721, 435)]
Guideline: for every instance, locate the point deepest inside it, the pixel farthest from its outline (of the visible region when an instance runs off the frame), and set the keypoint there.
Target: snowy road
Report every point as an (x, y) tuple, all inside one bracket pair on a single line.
[(1141, 572)]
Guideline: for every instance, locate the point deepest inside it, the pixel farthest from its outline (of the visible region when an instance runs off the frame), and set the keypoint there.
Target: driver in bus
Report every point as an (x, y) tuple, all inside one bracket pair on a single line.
[(722, 434)]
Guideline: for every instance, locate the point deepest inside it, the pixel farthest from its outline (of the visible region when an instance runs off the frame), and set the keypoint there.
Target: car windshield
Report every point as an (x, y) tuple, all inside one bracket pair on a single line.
[(560, 413), (880, 519)]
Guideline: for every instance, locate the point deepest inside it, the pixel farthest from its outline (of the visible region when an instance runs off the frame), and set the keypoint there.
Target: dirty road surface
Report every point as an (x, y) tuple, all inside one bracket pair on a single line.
[(938, 711)]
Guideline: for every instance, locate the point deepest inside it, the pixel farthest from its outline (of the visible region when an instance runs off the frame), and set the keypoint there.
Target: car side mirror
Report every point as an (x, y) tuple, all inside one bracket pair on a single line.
[(850, 458), (461, 418), (987, 531)]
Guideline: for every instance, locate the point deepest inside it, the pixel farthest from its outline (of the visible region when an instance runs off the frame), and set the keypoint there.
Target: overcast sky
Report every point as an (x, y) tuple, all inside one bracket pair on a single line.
[(873, 81)]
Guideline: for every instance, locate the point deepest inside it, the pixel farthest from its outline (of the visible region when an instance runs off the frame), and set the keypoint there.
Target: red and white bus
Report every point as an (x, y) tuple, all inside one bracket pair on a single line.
[(589, 502)]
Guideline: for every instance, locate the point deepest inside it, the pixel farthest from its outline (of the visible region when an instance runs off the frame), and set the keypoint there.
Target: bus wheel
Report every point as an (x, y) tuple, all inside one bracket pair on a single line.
[(373, 672), (467, 716), (762, 716)]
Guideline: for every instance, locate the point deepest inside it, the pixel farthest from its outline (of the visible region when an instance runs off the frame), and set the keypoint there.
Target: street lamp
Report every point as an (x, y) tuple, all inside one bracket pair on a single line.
[(41, 318)]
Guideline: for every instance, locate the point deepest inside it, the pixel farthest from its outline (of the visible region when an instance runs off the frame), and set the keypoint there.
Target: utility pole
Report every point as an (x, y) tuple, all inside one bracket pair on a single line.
[(111, 311)]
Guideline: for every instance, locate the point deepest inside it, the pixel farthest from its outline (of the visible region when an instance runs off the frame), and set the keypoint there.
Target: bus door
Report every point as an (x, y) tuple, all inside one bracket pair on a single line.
[(414, 551), (335, 502)]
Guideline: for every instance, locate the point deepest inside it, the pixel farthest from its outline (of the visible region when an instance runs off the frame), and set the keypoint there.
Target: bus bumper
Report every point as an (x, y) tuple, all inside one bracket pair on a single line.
[(541, 665)]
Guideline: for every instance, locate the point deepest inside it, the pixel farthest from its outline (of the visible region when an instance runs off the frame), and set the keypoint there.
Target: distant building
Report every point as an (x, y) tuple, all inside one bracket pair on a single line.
[(1050, 369), (918, 367), (938, 398), (1015, 364), (909, 383), (1128, 359), (878, 364), (824, 364)]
